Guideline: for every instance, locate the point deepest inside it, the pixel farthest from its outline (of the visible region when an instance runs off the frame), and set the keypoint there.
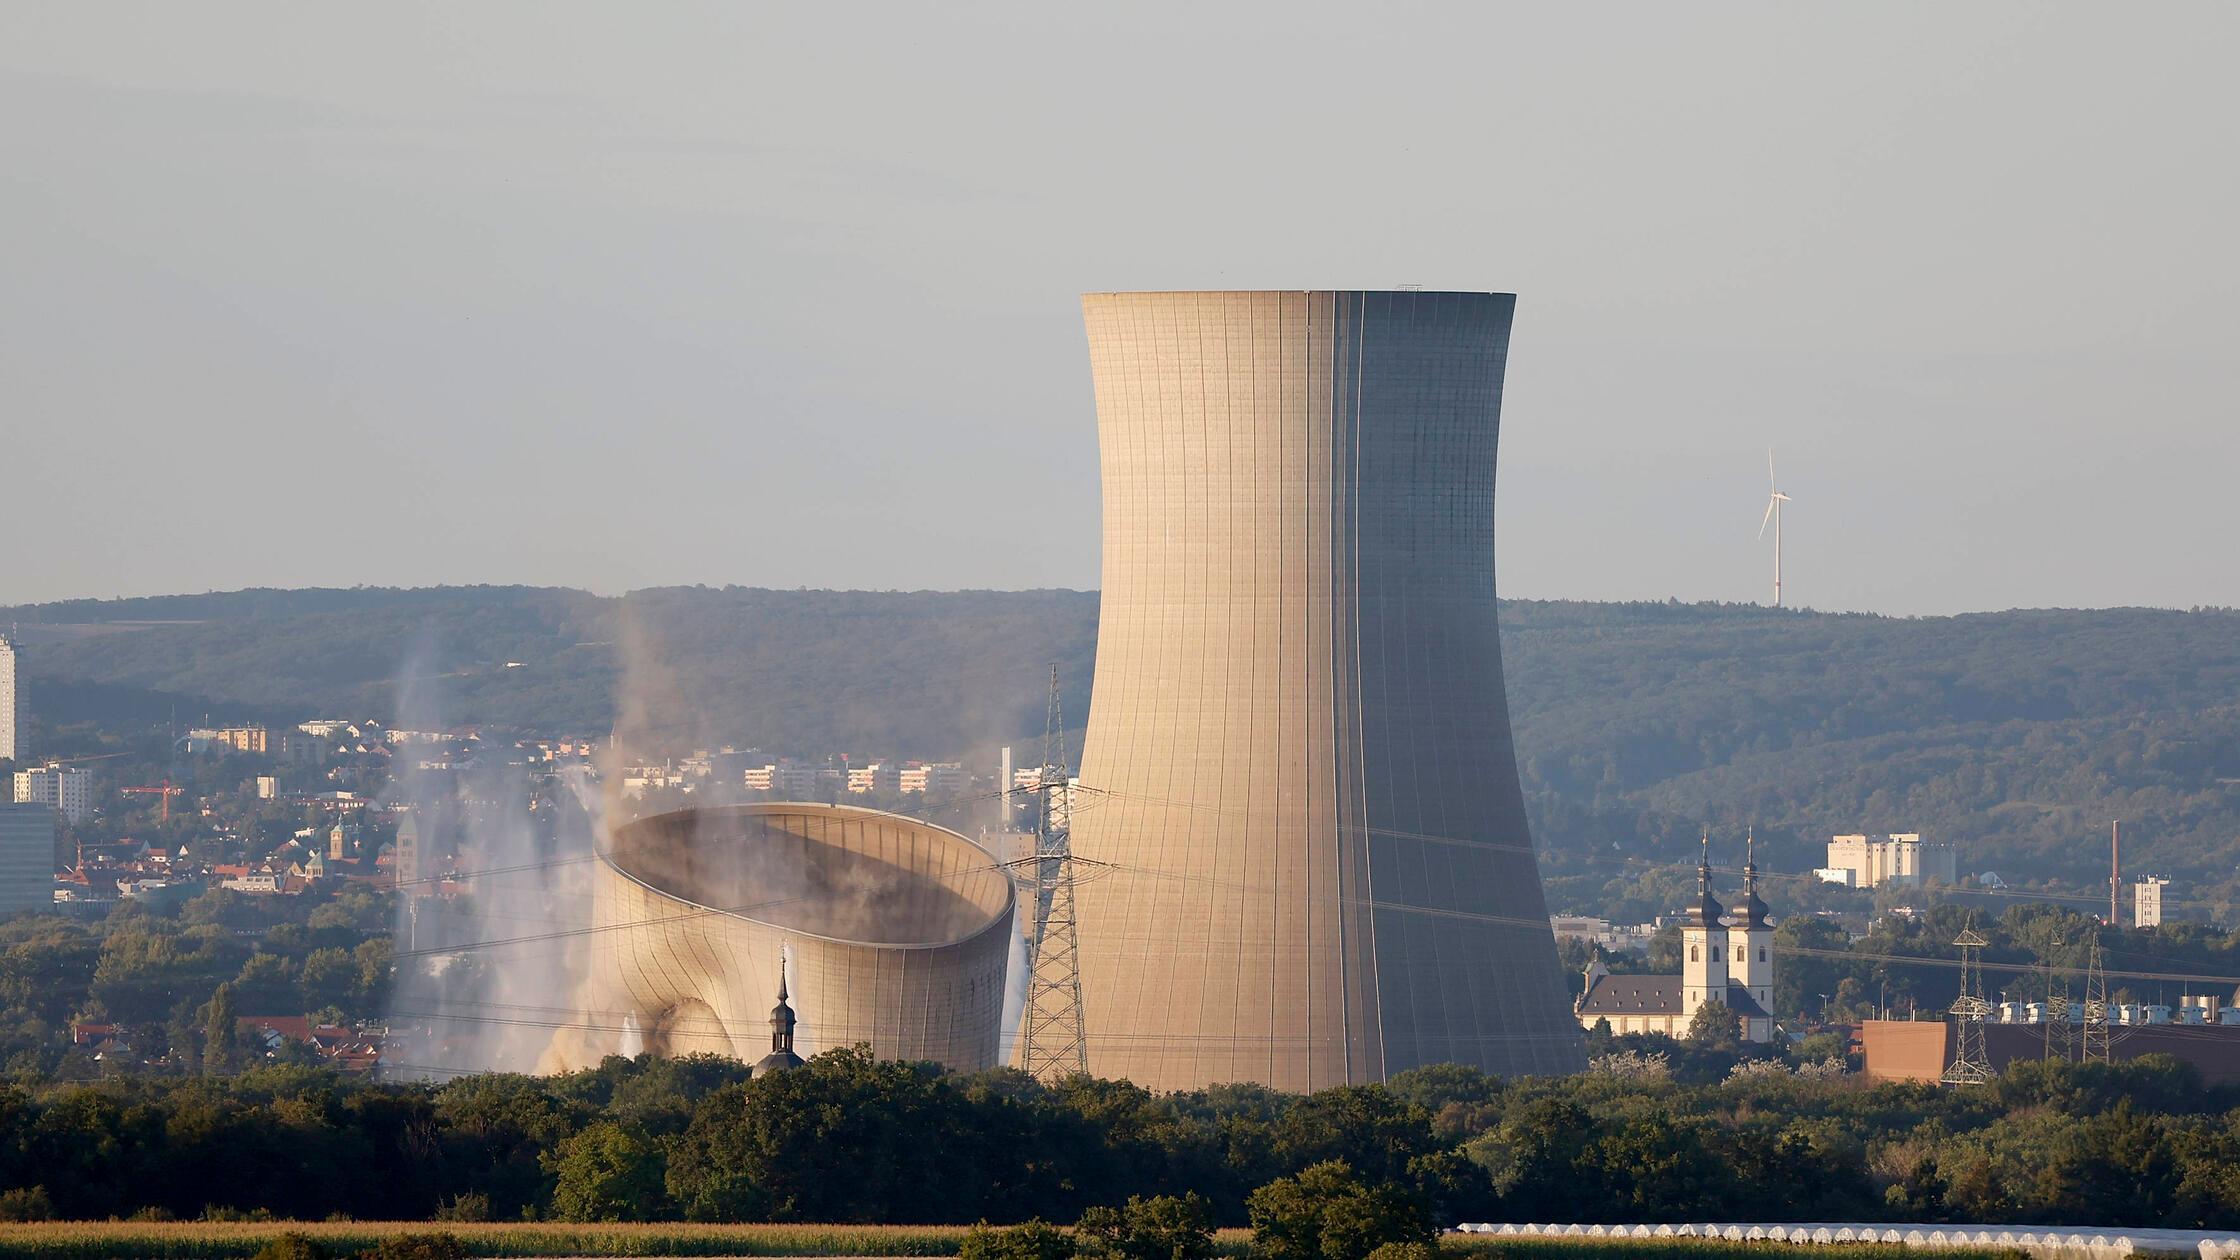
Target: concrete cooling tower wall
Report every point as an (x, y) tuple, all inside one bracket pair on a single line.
[(1298, 754), (898, 933)]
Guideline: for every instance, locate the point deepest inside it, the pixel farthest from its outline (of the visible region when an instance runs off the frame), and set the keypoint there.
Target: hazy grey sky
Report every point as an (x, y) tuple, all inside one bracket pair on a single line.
[(622, 295)]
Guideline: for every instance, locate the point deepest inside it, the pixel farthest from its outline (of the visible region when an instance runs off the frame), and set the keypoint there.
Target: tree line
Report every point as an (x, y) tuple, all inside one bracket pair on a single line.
[(852, 1139)]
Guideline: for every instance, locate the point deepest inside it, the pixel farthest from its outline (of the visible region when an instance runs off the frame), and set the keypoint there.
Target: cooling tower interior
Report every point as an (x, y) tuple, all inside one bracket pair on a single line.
[(1298, 749), (897, 933)]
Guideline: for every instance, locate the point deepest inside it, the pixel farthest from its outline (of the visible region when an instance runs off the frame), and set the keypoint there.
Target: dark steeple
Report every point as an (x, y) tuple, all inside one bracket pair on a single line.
[(1752, 913), (1708, 911), (781, 1054)]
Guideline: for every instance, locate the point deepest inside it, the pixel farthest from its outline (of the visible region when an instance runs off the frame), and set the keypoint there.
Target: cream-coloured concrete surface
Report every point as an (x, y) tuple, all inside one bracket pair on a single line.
[(898, 933), (1298, 755)]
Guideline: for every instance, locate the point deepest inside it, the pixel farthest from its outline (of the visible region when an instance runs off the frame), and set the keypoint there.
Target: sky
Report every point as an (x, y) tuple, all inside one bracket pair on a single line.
[(615, 296)]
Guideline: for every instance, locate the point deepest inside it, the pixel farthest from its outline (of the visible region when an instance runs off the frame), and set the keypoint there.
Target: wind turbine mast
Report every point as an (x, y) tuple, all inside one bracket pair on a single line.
[(1774, 500)]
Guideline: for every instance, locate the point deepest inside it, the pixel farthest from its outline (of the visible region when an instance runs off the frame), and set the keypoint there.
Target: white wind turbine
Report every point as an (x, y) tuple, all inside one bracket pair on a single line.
[(1774, 500)]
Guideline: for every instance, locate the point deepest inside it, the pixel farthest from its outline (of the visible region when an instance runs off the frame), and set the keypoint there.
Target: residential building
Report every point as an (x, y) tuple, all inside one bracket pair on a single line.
[(250, 739), (1610, 936), (2146, 901), (784, 778), (877, 776), (1902, 859), (1577, 927), (8, 709), (941, 778), (26, 857), (68, 789)]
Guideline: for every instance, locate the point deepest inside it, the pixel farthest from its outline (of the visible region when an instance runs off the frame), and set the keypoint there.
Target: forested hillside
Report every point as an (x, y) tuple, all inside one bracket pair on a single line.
[(2018, 734)]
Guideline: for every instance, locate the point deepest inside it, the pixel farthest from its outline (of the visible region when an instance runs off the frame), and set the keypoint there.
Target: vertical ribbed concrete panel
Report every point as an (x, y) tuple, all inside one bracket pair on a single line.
[(1298, 749), (898, 932)]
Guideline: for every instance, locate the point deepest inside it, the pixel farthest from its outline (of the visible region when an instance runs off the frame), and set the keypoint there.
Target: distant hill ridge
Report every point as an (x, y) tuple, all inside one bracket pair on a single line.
[(2017, 733)]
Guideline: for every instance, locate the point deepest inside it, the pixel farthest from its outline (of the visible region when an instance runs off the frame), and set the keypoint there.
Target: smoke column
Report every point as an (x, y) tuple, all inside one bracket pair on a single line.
[(460, 1002)]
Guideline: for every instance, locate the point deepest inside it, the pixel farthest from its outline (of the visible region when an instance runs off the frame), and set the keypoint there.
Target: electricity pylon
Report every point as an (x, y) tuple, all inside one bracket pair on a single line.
[(2056, 1018), (1055, 1045), (1971, 1062), (2095, 1008)]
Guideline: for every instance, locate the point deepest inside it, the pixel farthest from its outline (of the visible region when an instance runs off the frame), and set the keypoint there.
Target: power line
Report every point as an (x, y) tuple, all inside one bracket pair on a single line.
[(1914, 960)]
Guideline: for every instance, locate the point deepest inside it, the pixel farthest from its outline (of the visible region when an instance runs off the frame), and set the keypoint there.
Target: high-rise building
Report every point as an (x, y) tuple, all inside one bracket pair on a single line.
[(8, 710), (1902, 859), (26, 857), (68, 789), (1298, 760), (2146, 901)]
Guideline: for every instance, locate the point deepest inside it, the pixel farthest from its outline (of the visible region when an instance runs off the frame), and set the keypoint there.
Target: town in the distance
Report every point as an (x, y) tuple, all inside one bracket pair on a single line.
[(312, 815)]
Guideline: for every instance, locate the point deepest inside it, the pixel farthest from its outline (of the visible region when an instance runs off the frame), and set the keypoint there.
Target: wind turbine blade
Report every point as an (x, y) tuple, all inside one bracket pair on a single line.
[(1771, 484), (1769, 515)]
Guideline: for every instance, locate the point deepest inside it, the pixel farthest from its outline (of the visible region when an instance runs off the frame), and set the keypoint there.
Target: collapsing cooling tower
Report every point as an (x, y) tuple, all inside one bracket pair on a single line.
[(898, 933), (1298, 757)]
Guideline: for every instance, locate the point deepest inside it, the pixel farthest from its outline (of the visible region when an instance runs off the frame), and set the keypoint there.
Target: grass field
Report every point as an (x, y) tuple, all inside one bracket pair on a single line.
[(202, 1240)]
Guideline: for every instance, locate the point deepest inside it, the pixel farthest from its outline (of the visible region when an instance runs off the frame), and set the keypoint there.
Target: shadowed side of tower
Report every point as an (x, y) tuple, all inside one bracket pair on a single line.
[(1298, 753)]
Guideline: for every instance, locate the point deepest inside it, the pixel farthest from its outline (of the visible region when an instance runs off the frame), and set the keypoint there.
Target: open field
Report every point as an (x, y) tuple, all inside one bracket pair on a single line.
[(204, 1240)]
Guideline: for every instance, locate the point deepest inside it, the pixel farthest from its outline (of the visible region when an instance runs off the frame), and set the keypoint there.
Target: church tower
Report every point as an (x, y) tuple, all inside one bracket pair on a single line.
[(1750, 939), (1703, 945), (781, 1057)]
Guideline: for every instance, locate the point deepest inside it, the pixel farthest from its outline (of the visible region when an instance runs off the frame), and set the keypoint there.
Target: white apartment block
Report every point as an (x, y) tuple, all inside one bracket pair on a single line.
[(942, 778), (2146, 901), (1901, 859), (784, 778), (68, 789), (879, 776), (8, 711)]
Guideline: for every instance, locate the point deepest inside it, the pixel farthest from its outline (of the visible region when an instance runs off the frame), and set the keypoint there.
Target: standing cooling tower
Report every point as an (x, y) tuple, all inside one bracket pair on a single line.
[(1298, 749)]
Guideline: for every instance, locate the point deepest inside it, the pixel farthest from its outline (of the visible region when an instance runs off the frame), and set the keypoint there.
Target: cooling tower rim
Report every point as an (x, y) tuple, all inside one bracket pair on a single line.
[(1000, 921)]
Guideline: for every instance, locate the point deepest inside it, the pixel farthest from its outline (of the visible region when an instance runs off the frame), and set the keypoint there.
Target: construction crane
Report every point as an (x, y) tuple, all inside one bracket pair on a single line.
[(165, 789)]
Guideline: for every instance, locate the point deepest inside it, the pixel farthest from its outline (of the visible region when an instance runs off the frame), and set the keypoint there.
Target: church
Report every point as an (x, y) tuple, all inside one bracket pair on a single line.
[(1726, 960)]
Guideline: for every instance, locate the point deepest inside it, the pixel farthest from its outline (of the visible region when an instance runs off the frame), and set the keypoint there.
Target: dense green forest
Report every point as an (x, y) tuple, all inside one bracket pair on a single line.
[(850, 1139), (2016, 734)]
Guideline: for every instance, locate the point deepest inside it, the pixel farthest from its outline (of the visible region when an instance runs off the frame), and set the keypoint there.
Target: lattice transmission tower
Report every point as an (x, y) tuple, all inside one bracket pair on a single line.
[(2059, 1043), (2095, 1007), (1971, 1062), (1055, 1046)]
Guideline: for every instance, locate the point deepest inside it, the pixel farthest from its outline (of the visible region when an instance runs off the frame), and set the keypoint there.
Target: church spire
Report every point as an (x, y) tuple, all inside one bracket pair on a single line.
[(1753, 909), (1708, 910), (781, 1054), (781, 1017)]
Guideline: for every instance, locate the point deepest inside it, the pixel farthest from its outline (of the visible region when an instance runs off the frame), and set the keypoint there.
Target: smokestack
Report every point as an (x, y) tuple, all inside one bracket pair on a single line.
[(2115, 873), (1003, 792)]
